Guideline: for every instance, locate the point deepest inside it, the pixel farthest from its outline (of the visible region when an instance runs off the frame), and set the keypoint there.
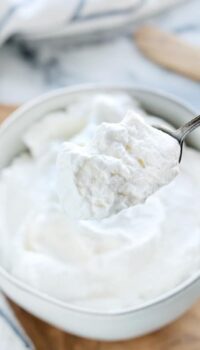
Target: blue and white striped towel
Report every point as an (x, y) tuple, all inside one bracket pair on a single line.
[(51, 18), (12, 336)]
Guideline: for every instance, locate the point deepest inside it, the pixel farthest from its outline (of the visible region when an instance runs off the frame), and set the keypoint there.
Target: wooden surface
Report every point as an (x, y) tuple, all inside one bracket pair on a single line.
[(169, 51), (5, 110), (184, 334)]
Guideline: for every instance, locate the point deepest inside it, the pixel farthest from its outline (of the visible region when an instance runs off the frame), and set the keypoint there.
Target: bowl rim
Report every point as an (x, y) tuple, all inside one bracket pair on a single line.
[(87, 88)]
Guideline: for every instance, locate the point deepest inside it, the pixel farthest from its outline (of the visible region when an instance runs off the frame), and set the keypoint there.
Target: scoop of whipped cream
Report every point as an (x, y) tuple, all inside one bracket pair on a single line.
[(121, 166)]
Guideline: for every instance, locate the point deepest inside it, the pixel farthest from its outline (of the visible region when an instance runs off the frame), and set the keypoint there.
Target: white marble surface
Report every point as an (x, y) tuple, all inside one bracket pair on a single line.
[(27, 70)]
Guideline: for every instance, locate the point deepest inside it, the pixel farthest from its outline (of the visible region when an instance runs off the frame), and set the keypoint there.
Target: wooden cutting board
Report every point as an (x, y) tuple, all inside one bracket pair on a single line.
[(184, 334)]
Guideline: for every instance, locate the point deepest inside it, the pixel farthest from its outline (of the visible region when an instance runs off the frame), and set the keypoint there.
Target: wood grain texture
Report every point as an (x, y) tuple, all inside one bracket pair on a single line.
[(169, 51), (184, 334)]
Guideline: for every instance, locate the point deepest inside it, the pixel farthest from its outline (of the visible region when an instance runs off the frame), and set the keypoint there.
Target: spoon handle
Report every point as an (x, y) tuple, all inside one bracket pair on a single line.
[(184, 130)]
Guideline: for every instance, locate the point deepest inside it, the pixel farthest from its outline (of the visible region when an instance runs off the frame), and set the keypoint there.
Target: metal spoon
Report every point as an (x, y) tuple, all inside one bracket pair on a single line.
[(181, 133)]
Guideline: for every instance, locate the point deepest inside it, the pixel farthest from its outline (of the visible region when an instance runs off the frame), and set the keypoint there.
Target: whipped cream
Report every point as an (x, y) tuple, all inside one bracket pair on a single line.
[(107, 264), (120, 167)]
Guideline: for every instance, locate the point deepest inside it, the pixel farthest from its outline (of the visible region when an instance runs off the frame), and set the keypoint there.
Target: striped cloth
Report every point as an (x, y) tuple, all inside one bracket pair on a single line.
[(52, 18)]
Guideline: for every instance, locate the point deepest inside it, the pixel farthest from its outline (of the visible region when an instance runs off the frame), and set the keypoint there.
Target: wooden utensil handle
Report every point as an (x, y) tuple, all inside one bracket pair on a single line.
[(169, 51)]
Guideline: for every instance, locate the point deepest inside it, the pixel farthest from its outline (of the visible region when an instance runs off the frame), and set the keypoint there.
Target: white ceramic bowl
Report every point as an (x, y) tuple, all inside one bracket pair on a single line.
[(97, 325)]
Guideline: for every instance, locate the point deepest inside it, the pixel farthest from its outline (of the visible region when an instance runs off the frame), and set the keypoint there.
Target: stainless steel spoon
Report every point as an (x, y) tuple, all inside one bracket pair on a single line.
[(181, 133)]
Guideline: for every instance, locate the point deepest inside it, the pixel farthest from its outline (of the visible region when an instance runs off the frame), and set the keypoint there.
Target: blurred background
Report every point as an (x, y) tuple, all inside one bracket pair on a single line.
[(47, 44)]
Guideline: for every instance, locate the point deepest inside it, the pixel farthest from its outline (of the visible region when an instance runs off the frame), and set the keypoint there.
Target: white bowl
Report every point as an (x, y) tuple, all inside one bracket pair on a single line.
[(97, 325)]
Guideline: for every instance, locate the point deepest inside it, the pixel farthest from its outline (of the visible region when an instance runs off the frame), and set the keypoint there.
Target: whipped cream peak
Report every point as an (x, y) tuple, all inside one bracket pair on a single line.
[(120, 167)]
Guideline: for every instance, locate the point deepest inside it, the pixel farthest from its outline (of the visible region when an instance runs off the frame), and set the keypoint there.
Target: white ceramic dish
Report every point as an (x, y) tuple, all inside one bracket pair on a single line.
[(97, 325)]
